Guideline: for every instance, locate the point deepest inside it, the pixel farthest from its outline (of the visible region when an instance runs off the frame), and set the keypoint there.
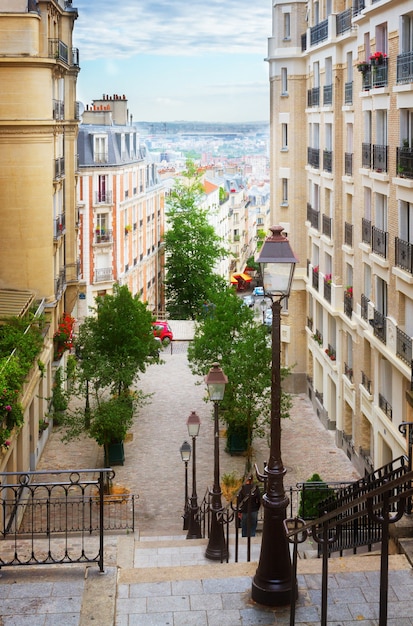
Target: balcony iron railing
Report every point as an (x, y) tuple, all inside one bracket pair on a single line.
[(404, 346), (327, 95), (379, 74), (366, 382), (343, 21), (58, 110), (313, 157), (364, 307), (103, 197), (404, 162), (315, 279), (367, 81), (348, 163), (385, 406), (327, 161), (379, 325), (348, 93), (103, 274), (313, 216), (380, 158), (366, 155), (404, 67), (59, 167), (59, 225), (310, 323), (319, 33), (366, 230), (348, 234), (103, 236), (58, 50), (379, 241), (327, 290), (348, 304), (327, 225), (313, 97), (404, 255), (348, 371), (358, 6)]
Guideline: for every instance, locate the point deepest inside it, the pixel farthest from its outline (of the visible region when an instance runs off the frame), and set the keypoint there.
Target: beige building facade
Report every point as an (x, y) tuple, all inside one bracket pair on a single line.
[(38, 134), (341, 76)]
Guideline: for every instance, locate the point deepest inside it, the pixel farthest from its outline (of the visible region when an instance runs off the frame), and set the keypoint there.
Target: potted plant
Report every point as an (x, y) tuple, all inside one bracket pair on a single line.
[(363, 67), (377, 58), (110, 423)]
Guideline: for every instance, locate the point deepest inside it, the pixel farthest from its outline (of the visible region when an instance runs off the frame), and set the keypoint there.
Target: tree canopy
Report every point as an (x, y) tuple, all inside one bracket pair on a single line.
[(192, 249)]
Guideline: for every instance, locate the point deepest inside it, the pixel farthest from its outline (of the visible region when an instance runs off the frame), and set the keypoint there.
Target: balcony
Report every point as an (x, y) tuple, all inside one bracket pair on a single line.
[(364, 307), (59, 168), (366, 155), (319, 33), (327, 95), (379, 326), (331, 352), (348, 163), (103, 274), (348, 234), (75, 57), (379, 74), (313, 97), (327, 226), (348, 303), (404, 347), (404, 162), (380, 158), (367, 80), (348, 371), (366, 382), (313, 157), (404, 67), (310, 323), (59, 226), (103, 197), (315, 279), (103, 236), (379, 241), (358, 6), (343, 21), (404, 255), (58, 50), (327, 289), (327, 161), (313, 216), (58, 110), (348, 93), (366, 231), (100, 157), (385, 406)]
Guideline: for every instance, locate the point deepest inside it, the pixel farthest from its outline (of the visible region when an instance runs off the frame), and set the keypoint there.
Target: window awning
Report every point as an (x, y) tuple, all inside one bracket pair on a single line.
[(234, 280), (245, 277)]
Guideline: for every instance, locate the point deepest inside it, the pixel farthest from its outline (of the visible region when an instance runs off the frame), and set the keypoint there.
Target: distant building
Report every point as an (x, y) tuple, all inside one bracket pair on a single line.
[(121, 207), (38, 132)]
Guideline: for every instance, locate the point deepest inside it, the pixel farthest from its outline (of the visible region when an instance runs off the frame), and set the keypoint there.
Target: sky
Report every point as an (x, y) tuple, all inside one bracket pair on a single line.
[(176, 59)]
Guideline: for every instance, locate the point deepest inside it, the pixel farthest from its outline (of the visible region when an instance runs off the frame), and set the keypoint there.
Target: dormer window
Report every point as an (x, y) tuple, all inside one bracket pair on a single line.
[(100, 148)]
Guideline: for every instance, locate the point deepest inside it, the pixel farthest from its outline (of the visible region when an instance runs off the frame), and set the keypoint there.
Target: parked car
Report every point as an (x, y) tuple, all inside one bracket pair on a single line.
[(258, 291), (268, 319), (249, 301), (162, 330)]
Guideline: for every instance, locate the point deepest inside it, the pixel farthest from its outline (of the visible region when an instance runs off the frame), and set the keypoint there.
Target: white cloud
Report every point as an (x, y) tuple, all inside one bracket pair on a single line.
[(172, 27)]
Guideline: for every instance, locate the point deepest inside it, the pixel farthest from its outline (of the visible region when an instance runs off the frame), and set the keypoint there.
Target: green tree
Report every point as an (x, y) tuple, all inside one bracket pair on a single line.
[(232, 337), (192, 249)]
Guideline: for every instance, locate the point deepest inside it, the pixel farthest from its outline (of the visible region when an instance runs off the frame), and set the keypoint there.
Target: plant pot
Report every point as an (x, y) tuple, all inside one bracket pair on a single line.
[(237, 441), (115, 454)]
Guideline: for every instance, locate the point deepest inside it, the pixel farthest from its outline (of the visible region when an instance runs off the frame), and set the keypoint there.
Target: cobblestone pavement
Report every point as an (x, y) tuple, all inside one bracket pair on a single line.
[(153, 469)]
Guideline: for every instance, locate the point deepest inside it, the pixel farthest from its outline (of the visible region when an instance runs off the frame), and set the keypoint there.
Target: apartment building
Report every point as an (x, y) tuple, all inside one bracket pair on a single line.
[(341, 77), (121, 207), (38, 131)]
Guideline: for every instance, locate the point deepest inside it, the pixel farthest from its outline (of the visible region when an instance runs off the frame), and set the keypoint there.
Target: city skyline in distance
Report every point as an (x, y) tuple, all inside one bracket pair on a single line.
[(176, 61)]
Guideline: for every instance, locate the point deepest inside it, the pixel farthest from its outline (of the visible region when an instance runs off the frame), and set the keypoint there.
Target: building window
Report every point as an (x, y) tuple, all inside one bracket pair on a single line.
[(100, 149), (284, 192), (284, 81), (287, 25), (284, 137)]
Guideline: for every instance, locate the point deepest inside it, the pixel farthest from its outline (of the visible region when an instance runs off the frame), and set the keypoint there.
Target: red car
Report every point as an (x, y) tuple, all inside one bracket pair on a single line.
[(162, 330)]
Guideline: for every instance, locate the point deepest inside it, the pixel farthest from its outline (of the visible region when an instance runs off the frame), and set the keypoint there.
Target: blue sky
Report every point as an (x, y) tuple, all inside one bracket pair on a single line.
[(176, 59)]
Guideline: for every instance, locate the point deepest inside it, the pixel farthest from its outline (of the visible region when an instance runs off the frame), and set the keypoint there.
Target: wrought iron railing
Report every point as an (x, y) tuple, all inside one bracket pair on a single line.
[(348, 234), (366, 155), (380, 158), (313, 157), (404, 346), (348, 371), (327, 95), (404, 67), (103, 197), (348, 304), (315, 279), (327, 225), (404, 162), (385, 406), (364, 307), (327, 160), (366, 230), (379, 74), (404, 255), (379, 241), (348, 92), (379, 325), (319, 33), (343, 21), (313, 216), (366, 382), (367, 82), (313, 97), (103, 274), (327, 290), (104, 236)]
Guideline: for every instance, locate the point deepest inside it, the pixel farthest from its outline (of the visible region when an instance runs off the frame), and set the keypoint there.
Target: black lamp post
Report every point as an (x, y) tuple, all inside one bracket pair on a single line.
[(216, 548), (185, 451), (272, 583), (264, 304), (194, 528)]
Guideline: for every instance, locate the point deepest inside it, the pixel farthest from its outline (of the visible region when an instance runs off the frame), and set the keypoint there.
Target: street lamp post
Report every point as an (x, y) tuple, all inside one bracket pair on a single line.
[(194, 528), (272, 584), (216, 548), (264, 304), (185, 451)]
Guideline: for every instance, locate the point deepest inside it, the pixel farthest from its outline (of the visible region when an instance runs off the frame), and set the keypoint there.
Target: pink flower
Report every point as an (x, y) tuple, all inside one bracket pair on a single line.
[(7, 443), (8, 407)]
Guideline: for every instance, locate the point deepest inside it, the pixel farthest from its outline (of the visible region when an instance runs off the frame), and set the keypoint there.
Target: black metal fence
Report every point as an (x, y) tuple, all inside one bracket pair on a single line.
[(59, 517)]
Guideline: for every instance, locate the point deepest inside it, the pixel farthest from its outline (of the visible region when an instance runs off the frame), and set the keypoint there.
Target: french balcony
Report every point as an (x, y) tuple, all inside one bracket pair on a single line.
[(313, 97), (103, 236), (404, 162), (58, 50), (404, 255), (348, 304), (331, 352), (404, 67), (366, 382), (367, 80), (358, 6), (319, 33), (58, 110), (366, 231), (59, 226), (380, 158), (328, 160), (364, 307), (315, 279), (327, 226), (313, 157), (385, 406), (379, 74), (75, 57), (348, 234), (327, 290), (103, 197), (343, 21), (327, 95), (404, 347), (313, 216), (348, 163), (379, 326), (59, 167), (318, 337), (310, 323), (348, 93), (104, 274), (366, 153), (379, 241), (348, 371)]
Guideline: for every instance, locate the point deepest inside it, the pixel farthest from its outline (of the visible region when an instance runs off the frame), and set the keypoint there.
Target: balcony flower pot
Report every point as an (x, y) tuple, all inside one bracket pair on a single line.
[(363, 67), (377, 58)]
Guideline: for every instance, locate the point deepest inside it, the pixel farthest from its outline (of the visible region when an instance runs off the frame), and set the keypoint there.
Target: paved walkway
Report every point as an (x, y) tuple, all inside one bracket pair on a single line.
[(156, 577)]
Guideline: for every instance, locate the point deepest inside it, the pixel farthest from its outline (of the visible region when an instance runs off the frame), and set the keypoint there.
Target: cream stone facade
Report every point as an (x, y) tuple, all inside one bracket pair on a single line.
[(38, 133), (121, 208), (341, 76)]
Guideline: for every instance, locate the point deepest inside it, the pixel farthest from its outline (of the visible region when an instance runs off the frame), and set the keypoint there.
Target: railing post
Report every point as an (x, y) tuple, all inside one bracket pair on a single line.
[(102, 474)]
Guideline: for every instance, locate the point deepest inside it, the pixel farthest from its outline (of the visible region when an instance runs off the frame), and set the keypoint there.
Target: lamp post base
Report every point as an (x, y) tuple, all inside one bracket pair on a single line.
[(217, 548), (271, 592)]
